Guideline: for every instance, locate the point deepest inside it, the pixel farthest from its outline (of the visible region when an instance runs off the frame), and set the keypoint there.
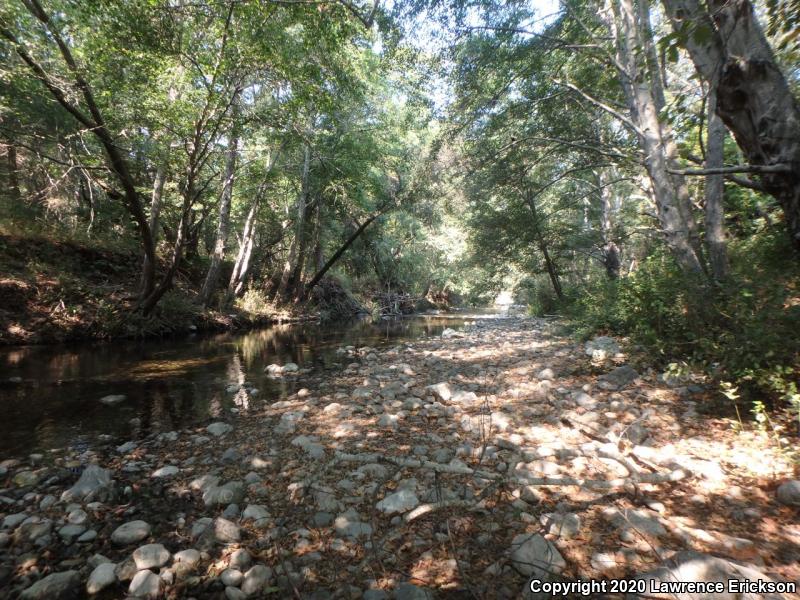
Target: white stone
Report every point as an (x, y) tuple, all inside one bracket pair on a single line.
[(535, 557), (145, 584), (130, 533), (219, 429), (113, 399), (256, 579), (151, 556), (102, 577), (232, 577), (167, 471), (399, 502)]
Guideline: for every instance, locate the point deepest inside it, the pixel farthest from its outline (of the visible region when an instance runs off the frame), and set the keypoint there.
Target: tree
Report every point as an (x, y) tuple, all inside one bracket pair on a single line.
[(753, 99)]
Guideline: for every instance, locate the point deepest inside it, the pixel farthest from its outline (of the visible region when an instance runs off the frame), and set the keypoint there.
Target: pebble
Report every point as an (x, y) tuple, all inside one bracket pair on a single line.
[(130, 533), (789, 493), (151, 556), (256, 579), (102, 576), (232, 577), (219, 429), (145, 584)]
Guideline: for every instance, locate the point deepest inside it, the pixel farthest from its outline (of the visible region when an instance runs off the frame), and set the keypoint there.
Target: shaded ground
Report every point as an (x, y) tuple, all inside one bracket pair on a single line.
[(367, 480), (54, 291)]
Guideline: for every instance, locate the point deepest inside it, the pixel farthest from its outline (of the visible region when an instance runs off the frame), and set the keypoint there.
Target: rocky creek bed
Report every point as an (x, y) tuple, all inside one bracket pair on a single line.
[(452, 467)]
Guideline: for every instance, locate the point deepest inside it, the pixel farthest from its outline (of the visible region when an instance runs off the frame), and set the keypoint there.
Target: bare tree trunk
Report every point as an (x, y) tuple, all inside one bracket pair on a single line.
[(552, 272), (242, 264), (155, 213), (715, 187), (730, 51), (290, 266), (337, 255), (221, 240), (611, 253), (644, 94)]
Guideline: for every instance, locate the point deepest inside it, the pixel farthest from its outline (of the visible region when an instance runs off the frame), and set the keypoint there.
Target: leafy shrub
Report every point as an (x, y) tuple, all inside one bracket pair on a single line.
[(740, 331)]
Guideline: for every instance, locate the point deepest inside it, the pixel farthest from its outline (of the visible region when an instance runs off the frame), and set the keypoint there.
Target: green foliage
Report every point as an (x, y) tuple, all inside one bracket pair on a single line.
[(739, 331)]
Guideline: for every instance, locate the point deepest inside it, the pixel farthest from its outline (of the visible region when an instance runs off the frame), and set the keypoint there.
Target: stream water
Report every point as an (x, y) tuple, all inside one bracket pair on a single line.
[(50, 395)]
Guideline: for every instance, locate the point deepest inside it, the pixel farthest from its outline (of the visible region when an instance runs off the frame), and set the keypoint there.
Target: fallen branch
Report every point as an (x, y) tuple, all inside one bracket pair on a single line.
[(596, 484)]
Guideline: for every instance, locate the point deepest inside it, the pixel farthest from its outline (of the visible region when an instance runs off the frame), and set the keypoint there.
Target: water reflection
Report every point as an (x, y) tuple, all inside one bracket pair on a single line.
[(168, 383)]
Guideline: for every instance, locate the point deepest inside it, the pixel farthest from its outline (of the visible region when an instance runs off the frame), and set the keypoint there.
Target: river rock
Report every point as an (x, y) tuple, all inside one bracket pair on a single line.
[(219, 429), (130, 533), (151, 556), (225, 531), (11, 521), (566, 525), (145, 584), (257, 513), (57, 586), (95, 483), (113, 399), (232, 577), (230, 493), (535, 557), (26, 479), (442, 390), (102, 577), (618, 378), (789, 493), (349, 525), (167, 471), (399, 502), (601, 347), (256, 579), (68, 533)]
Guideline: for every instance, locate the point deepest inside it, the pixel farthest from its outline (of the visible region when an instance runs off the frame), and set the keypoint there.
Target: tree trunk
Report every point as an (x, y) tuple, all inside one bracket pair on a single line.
[(242, 265), (730, 51), (542, 244), (337, 255), (319, 260), (715, 187), (645, 98), (551, 270), (14, 190), (221, 239), (155, 213), (611, 253), (298, 243)]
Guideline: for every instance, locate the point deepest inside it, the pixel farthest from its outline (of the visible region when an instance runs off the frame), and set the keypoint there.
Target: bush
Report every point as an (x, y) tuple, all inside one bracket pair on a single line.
[(741, 332)]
